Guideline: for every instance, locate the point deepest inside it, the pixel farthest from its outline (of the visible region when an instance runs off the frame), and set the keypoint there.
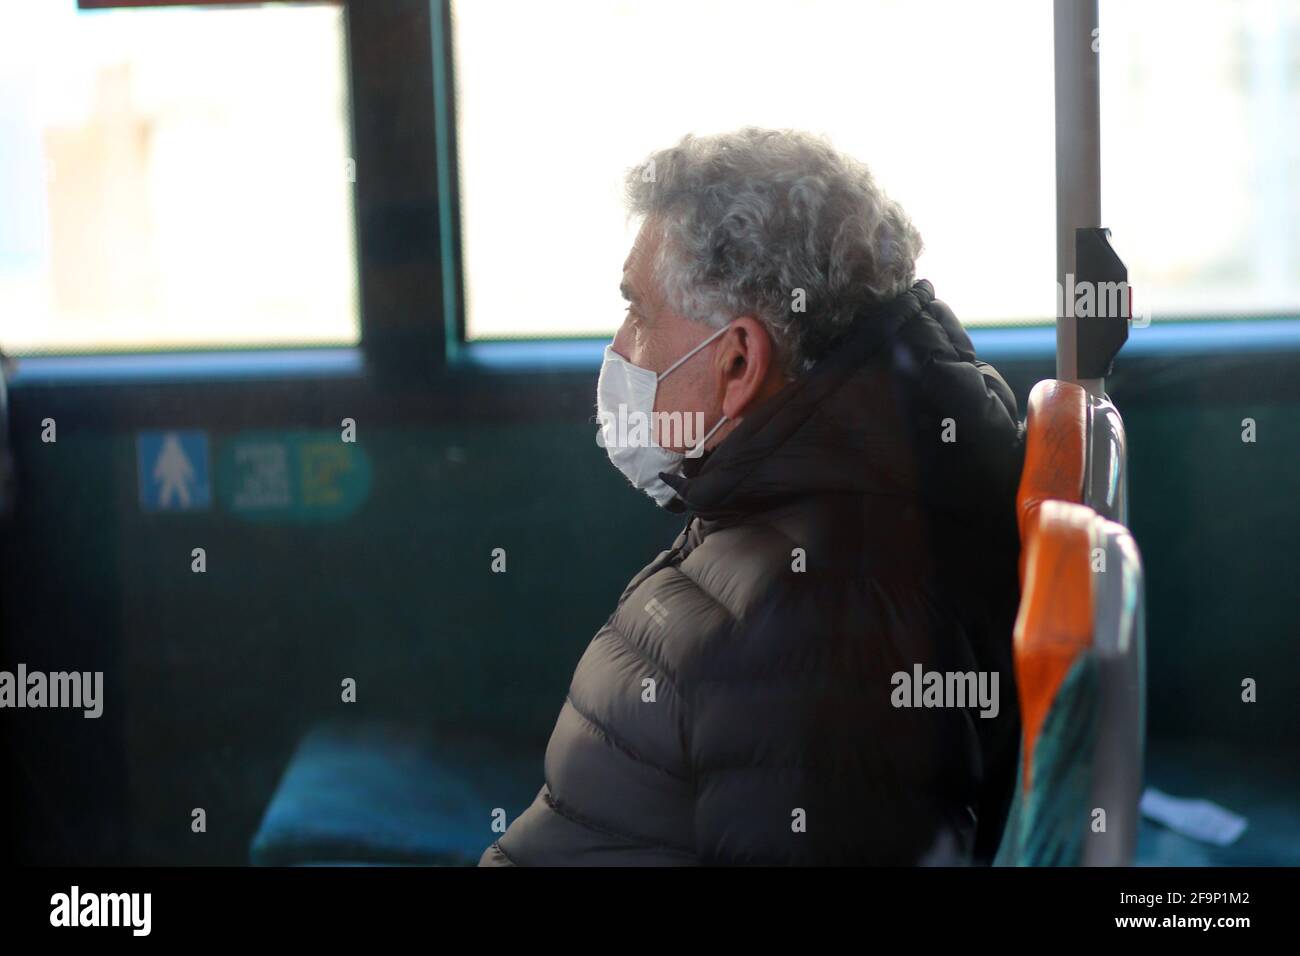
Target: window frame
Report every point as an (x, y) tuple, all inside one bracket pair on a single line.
[(383, 335), (410, 277)]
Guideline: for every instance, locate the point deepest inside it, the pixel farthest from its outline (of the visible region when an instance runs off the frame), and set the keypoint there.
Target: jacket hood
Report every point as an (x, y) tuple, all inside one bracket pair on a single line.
[(901, 408)]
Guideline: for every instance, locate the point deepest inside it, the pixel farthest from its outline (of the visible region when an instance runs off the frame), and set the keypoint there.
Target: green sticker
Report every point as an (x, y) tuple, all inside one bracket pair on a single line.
[(300, 476)]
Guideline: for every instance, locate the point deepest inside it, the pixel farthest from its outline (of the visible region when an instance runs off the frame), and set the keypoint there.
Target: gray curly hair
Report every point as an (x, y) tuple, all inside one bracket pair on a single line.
[(750, 218)]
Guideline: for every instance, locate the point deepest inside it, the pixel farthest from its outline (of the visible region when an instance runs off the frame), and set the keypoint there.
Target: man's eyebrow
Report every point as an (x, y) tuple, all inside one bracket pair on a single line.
[(626, 288)]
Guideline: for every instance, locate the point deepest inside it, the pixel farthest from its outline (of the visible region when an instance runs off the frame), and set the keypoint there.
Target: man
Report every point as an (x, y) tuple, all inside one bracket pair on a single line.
[(851, 527)]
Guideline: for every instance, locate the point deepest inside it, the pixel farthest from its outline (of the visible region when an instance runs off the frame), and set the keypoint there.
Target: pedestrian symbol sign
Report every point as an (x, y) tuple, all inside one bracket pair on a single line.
[(173, 471)]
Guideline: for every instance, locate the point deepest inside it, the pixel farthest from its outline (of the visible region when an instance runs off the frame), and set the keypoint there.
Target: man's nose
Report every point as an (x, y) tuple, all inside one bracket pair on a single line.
[(623, 341)]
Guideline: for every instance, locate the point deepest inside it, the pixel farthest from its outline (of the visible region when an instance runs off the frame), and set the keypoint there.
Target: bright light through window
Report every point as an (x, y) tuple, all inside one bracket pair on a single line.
[(174, 178), (949, 104), (1200, 109)]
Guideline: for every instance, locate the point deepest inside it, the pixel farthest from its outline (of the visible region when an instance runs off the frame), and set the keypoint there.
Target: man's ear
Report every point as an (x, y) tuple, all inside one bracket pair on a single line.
[(747, 366)]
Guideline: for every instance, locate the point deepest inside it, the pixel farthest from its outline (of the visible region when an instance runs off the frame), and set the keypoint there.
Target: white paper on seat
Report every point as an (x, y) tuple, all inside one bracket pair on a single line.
[(1199, 819)]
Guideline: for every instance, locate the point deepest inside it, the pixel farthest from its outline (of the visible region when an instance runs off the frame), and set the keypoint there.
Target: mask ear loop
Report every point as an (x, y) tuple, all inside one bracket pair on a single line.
[(698, 450)]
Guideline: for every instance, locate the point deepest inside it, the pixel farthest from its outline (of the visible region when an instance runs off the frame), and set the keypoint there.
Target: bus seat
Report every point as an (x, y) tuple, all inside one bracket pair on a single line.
[(382, 793), (1056, 453), (1080, 658), (1106, 487), (1120, 648), (1075, 450)]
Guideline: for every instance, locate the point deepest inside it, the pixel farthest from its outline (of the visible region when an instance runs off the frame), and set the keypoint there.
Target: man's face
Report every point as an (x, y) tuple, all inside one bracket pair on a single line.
[(654, 337)]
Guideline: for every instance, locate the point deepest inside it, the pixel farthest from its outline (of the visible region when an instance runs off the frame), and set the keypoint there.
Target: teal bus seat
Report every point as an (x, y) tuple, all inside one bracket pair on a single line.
[(382, 793)]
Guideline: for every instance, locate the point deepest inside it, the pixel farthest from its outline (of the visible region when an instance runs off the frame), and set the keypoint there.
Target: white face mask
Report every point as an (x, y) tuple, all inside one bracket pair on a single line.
[(625, 401)]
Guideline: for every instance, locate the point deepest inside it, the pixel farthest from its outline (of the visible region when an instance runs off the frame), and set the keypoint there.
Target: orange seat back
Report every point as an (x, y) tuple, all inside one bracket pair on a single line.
[(1056, 453), (1079, 638), (1055, 625)]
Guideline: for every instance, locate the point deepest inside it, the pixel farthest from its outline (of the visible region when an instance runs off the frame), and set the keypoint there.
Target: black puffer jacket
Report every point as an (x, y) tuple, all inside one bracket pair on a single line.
[(836, 539)]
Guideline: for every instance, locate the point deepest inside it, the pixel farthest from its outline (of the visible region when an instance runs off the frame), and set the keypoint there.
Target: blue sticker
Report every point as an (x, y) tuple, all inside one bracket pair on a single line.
[(173, 471)]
